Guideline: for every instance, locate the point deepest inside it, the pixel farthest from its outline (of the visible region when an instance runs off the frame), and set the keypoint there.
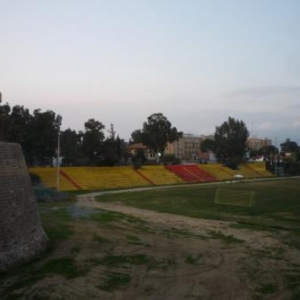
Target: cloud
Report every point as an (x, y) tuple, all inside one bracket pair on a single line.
[(264, 126), (296, 123), (268, 99), (265, 91)]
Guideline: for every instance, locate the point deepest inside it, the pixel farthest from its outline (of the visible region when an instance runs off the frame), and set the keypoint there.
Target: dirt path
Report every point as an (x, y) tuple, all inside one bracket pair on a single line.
[(148, 255), (231, 271), (195, 226)]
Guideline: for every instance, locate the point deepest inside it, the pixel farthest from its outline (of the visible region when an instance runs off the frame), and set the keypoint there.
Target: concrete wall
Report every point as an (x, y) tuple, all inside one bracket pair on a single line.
[(21, 234)]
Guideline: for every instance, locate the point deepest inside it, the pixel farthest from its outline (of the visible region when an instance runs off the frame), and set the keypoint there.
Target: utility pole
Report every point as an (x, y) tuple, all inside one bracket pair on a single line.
[(58, 123), (57, 158)]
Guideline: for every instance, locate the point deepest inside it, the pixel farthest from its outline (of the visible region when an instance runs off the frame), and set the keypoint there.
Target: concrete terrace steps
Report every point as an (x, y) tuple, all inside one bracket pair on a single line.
[(218, 171), (105, 178), (260, 167), (159, 175), (248, 172), (201, 173), (184, 172), (48, 176)]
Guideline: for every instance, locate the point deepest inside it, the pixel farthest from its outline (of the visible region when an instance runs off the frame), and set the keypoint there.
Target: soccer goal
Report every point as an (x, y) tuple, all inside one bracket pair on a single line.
[(235, 197)]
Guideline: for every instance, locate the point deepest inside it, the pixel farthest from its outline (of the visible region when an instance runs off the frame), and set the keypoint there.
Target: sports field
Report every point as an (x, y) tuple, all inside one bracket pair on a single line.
[(277, 202), (172, 243)]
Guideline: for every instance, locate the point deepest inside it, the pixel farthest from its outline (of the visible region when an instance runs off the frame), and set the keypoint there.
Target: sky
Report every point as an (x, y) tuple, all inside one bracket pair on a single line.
[(196, 61)]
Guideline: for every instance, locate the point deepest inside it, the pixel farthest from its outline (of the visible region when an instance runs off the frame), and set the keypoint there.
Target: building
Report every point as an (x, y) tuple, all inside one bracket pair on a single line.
[(133, 149), (187, 148), (255, 143)]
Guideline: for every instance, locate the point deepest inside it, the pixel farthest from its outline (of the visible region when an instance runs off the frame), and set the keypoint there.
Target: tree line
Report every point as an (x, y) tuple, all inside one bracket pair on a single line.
[(37, 132)]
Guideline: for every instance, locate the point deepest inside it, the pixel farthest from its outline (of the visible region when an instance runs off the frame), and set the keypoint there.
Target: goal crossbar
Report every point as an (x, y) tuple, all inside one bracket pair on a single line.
[(235, 197)]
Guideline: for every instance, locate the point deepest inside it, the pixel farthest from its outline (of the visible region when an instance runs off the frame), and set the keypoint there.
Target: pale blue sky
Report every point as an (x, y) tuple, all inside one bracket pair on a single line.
[(196, 61)]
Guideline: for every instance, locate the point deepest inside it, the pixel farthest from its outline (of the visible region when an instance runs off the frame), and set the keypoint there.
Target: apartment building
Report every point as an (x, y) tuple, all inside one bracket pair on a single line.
[(257, 143), (186, 148)]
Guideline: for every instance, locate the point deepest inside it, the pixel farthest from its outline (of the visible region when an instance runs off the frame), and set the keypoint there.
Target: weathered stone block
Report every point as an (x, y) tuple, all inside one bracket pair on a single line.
[(21, 234)]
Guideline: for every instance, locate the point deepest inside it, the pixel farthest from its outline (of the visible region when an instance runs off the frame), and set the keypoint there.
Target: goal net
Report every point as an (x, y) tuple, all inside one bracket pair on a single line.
[(235, 197)]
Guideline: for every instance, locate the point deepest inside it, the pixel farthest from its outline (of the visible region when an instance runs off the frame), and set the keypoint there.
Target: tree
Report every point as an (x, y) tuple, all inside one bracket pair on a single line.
[(110, 151), (4, 121), (231, 140), (19, 129), (137, 136), (208, 145), (156, 133), (291, 157), (19, 121), (93, 140), (290, 146), (70, 144), (42, 136)]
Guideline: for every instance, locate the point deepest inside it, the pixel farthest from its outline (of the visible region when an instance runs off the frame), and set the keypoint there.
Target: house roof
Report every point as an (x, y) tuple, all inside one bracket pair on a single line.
[(137, 146)]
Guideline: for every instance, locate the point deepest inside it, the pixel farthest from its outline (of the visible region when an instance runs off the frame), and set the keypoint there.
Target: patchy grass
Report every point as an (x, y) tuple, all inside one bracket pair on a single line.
[(137, 259), (193, 259), (292, 278), (268, 254), (57, 232), (277, 212), (114, 260), (56, 221), (100, 239), (108, 217), (32, 273), (267, 288), (181, 233), (65, 266), (114, 281), (277, 203), (132, 238), (228, 239)]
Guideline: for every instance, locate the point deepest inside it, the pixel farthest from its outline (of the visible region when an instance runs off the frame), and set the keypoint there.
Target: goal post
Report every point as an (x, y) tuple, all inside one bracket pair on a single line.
[(235, 197)]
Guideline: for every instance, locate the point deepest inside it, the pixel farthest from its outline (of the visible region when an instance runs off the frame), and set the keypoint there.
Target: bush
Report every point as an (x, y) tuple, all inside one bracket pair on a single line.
[(292, 168), (137, 164), (35, 179), (170, 159), (48, 194)]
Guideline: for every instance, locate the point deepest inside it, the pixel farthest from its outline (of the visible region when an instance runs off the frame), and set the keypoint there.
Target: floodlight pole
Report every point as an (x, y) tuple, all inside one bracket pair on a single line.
[(57, 158)]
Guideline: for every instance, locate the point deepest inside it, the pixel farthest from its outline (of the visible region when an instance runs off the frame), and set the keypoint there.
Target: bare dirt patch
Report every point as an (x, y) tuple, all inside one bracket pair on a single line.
[(152, 256)]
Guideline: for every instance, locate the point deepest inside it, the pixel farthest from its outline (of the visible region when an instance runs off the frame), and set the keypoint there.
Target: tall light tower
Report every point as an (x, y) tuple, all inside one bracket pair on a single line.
[(58, 124)]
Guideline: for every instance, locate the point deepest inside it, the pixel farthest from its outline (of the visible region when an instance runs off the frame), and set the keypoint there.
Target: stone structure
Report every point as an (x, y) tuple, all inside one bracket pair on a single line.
[(21, 234)]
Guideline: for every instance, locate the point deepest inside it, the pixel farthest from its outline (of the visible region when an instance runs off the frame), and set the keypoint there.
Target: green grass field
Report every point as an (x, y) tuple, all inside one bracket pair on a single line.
[(277, 203)]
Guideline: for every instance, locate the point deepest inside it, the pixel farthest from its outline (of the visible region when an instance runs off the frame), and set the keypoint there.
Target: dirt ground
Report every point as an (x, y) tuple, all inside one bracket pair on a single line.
[(167, 257)]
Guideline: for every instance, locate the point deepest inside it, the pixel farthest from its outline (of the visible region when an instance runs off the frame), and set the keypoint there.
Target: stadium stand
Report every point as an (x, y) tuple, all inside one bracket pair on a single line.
[(105, 177), (48, 178), (218, 171), (183, 173), (201, 173), (248, 172), (260, 167), (160, 175), (100, 178), (191, 173)]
